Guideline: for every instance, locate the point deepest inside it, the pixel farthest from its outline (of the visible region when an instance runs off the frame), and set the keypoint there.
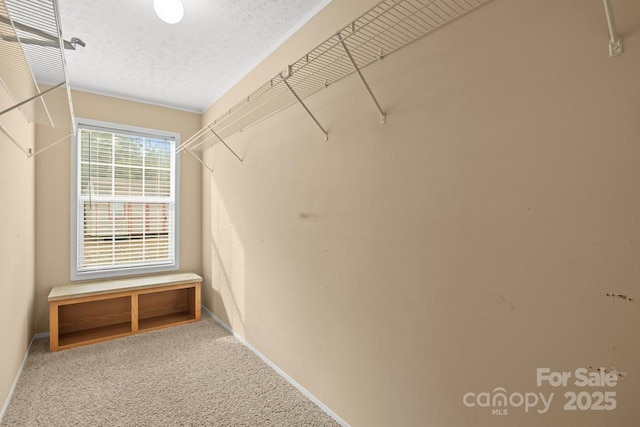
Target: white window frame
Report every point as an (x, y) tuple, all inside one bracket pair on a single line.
[(75, 191)]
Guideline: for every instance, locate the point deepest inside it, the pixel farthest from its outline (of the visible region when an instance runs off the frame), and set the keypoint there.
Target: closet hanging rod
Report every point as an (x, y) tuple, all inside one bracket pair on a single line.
[(26, 101)]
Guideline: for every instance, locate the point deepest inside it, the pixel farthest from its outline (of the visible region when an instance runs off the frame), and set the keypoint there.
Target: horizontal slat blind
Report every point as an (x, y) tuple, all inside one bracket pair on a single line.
[(126, 200)]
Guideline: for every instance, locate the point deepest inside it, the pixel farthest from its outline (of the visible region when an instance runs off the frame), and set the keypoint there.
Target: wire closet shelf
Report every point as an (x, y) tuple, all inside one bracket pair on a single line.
[(383, 30), (32, 52)]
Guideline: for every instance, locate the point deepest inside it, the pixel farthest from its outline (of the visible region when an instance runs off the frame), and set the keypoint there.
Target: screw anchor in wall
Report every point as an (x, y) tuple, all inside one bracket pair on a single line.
[(624, 297), (619, 374)]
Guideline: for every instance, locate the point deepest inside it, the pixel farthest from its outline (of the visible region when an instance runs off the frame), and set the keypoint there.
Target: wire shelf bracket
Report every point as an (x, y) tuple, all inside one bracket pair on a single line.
[(615, 41), (226, 145), (28, 151), (53, 144), (293, 92), (199, 160), (383, 115)]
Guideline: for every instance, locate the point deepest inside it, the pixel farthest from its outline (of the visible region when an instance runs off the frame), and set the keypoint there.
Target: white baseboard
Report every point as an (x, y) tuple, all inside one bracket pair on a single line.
[(40, 336), (275, 367), (15, 381)]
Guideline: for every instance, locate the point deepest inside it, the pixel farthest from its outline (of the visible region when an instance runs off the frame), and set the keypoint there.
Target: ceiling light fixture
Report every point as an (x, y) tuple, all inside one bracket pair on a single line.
[(170, 11)]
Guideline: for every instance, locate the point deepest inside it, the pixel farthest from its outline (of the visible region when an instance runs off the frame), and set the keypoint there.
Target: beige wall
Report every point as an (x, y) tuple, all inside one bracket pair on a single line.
[(457, 248), (53, 174), (16, 243)]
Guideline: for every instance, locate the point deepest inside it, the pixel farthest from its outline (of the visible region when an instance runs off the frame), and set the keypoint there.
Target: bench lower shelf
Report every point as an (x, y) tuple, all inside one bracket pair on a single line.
[(93, 335), (83, 320), (163, 321)]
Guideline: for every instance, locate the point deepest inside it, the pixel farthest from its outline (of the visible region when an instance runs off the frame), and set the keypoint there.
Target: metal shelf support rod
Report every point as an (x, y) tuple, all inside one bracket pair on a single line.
[(51, 145), (199, 161), (615, 43), (383, 115), (6, 132), (225, 144), (326, 135)]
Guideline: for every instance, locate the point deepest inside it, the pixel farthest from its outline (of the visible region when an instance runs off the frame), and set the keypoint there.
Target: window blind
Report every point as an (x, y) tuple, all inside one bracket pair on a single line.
[(126, 200)]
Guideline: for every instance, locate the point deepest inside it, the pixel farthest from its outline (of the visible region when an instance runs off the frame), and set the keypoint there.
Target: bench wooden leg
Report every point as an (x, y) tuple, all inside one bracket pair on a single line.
[(53, 326)]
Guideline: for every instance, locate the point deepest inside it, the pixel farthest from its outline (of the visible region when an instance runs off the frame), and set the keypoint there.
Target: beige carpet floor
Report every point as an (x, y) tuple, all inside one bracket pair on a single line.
[(190, 375)]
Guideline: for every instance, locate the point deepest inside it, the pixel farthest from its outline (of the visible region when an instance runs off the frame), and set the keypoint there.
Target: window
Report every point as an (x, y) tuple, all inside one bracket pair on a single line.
[(125, 201)]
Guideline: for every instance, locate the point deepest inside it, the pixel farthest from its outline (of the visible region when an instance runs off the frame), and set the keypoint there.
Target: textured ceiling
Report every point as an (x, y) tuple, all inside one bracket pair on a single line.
[(132, 54)]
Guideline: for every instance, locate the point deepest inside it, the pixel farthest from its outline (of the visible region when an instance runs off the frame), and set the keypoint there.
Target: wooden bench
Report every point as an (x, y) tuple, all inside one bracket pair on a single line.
[(88, 313)]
